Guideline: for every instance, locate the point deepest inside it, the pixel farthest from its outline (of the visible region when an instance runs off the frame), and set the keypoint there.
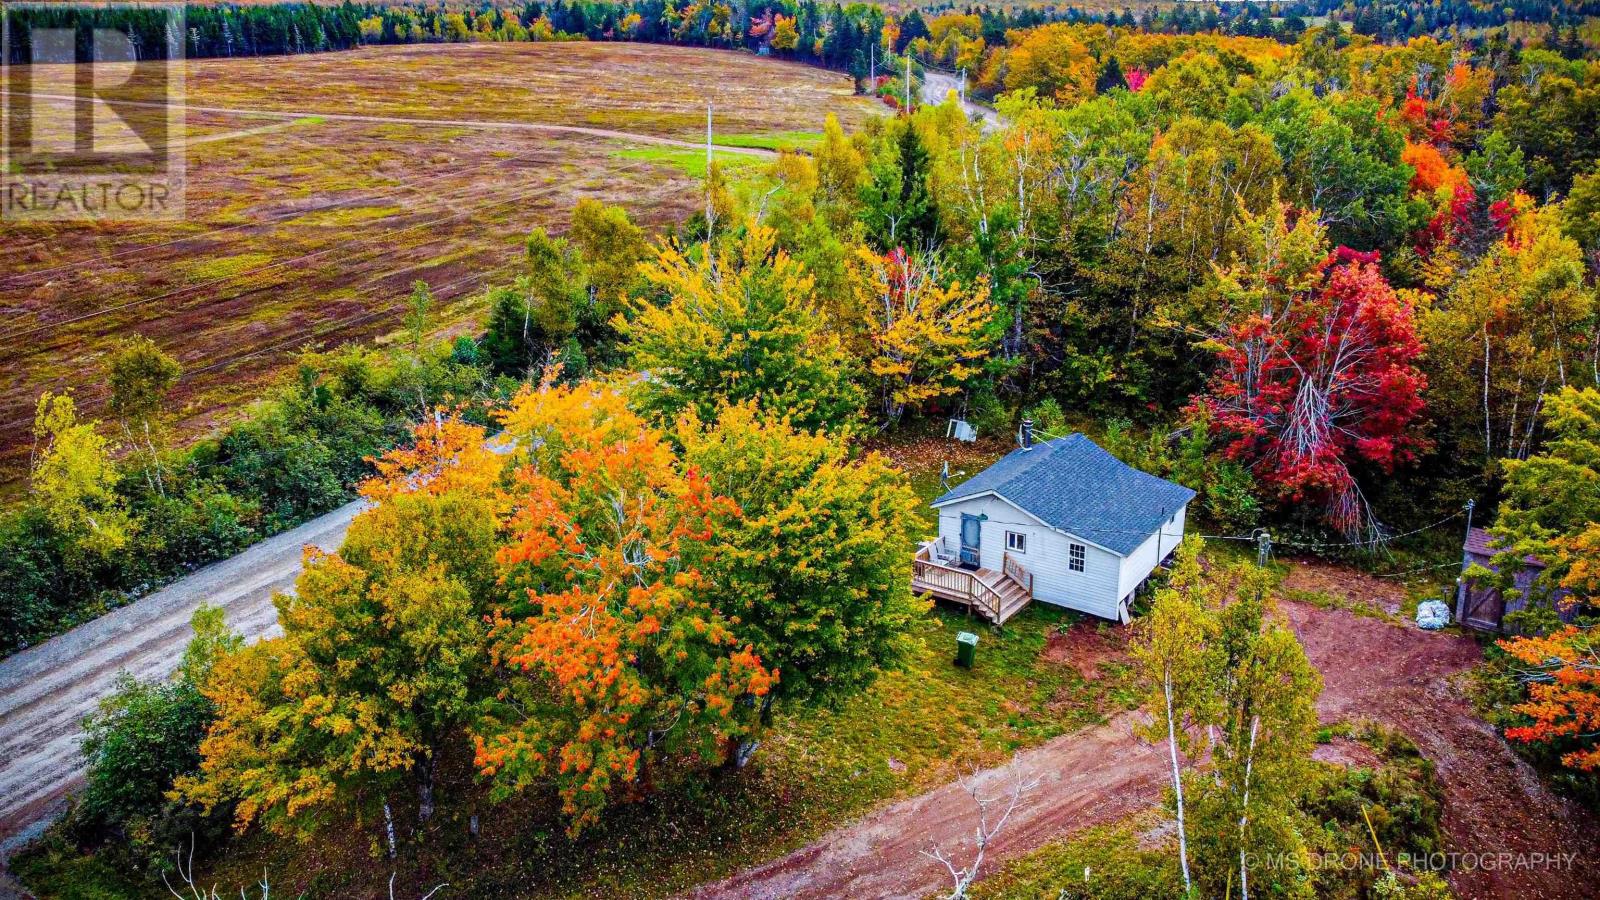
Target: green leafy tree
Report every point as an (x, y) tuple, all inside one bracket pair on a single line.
[(813, 570), (74, 482), (741, 323), (901, 210), (841, 174), (382, 646), (1261, 761), (147, 734), (140, 376), (1175, 662), (611, 248), (1551, 509)]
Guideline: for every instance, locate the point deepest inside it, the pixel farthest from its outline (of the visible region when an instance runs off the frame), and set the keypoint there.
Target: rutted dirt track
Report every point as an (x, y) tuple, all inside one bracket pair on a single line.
[(45, 691), (1400, 676)]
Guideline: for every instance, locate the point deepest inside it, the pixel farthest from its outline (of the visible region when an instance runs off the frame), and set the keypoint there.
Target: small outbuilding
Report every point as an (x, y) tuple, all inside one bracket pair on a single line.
[(1482, 606), (1063, 522)]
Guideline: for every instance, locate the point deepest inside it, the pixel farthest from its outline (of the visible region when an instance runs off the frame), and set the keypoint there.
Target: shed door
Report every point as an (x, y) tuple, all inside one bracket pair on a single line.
[(1485, 608), (971, 535)]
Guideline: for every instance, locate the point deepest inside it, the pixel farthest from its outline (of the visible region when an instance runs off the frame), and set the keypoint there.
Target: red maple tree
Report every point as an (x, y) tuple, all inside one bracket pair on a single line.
[(1317, 378)]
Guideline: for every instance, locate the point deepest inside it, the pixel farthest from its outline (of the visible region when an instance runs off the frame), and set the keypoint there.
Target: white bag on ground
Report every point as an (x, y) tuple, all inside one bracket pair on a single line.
[(1432, 615)]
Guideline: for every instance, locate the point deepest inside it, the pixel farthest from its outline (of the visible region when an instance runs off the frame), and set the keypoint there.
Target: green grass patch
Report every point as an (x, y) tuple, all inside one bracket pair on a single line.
[(1098, 863), (225, 266), (690, 162), (780, 140), (1326, 600), (351, 215)]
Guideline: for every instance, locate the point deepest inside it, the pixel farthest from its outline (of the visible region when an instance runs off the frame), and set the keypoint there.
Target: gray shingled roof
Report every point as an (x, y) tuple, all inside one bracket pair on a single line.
[(1071, 484)]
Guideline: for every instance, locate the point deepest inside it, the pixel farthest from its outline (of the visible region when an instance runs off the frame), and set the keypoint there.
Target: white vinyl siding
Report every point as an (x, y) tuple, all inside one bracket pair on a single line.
[(1144, 559), (1106, 577)]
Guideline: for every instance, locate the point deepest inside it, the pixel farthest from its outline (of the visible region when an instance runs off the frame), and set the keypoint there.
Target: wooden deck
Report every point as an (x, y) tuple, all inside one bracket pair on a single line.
[(995, 596)]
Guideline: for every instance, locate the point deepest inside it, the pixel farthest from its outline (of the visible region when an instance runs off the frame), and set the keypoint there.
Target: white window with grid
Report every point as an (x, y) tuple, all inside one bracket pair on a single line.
[(1076, 554)]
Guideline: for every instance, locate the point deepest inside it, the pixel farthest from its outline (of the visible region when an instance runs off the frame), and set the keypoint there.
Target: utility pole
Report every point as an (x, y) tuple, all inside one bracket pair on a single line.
[(961, 89), (872, 67), (908, 81), (711, 212)]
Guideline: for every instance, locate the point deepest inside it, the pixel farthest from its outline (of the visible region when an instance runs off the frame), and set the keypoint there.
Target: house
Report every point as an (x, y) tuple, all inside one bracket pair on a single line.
[(1063, 522), (1483, 607)]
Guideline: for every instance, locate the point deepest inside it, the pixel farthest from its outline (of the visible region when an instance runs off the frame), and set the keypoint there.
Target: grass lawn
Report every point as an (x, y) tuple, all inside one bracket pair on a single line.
[(692, 162), (782, 140)]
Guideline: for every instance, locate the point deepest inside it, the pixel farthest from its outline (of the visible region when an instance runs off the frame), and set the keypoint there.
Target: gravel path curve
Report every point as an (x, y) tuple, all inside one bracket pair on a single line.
[(45, 691)]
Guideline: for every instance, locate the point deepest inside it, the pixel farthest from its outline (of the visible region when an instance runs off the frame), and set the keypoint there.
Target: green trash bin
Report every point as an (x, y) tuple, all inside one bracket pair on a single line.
[(966, 649)]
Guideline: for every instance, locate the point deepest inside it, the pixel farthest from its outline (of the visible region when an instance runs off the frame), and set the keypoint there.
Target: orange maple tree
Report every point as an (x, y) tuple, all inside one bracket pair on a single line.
[(617, 655), (1563, 693)]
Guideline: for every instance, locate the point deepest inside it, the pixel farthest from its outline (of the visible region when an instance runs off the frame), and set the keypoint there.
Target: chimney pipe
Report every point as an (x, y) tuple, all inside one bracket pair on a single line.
[(1027, 434)]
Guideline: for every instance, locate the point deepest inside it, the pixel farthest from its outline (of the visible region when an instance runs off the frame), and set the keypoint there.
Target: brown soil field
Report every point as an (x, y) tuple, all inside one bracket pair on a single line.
[(320, 187)]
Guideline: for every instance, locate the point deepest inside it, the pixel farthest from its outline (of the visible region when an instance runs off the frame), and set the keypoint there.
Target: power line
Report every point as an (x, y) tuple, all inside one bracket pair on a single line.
[(1385, 539), (1451, 564)]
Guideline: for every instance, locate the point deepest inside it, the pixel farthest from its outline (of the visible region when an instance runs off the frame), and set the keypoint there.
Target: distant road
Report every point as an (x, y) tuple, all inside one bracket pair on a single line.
[(936, 86), (45, 691)]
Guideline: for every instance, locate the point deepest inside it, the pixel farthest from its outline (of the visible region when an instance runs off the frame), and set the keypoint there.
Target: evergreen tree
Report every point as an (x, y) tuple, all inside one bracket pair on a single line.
[(1110, 77)]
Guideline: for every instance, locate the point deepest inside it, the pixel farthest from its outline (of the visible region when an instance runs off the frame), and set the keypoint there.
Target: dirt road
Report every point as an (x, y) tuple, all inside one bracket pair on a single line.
[(936, 86), (45, 691), (1398, 675)]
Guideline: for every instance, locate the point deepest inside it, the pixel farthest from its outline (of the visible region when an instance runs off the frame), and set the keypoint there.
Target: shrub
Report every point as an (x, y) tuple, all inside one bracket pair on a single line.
[(1048, 417), (144, 736), (991, 417), (31, 573), (1230, 497)]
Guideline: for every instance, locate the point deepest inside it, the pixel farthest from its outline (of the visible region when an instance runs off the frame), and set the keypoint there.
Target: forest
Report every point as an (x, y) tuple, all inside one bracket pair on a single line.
[(1339, 278), (836, 35)]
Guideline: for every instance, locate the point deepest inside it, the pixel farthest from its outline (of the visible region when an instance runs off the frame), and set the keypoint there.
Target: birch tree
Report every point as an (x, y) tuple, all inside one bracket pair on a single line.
[(1261, 745), (1173, 654)]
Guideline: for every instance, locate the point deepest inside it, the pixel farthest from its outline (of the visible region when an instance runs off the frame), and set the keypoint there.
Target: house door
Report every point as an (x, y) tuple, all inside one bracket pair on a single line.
[(971, 534)]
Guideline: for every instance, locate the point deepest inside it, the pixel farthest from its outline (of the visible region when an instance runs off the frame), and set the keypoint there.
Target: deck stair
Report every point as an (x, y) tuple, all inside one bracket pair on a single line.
[(991, 595)]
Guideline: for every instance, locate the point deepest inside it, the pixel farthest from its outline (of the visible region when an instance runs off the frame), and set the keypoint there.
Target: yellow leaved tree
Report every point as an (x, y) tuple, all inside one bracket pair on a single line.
[(928, 336)]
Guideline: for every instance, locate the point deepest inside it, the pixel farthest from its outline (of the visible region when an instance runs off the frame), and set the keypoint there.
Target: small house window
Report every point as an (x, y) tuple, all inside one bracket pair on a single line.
[(1016, 542), (1075, 557)]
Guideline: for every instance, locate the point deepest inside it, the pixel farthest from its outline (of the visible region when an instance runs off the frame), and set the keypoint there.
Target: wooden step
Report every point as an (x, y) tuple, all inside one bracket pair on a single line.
[(1011, 609)]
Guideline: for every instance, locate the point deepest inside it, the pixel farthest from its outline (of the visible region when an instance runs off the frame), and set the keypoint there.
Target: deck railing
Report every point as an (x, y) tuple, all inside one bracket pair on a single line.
[(1014, 571), (927, 572)]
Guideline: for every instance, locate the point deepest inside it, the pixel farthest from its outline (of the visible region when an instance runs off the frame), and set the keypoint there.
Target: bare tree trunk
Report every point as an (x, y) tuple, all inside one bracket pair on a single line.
[(425, 773), (1177, 782), (388, 827), (1244, 810)]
